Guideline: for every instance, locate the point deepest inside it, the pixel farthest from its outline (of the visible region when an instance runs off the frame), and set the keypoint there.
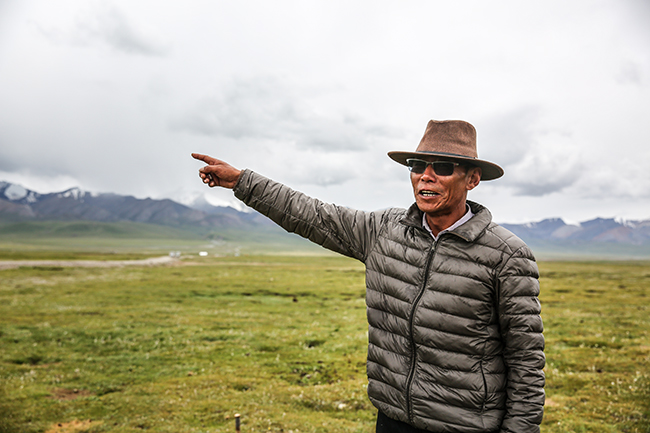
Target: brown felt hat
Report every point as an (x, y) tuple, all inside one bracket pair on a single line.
[(454, 139)]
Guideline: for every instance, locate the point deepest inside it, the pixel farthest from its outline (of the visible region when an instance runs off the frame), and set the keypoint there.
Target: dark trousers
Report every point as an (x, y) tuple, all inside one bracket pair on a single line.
[(389, 425)]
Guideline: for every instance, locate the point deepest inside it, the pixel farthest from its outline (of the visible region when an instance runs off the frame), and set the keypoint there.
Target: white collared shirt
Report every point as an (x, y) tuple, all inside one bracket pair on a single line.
[(469, 214)]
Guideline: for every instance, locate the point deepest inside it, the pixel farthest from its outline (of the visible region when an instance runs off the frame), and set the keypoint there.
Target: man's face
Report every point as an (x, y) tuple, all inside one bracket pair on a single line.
[(442, 196)]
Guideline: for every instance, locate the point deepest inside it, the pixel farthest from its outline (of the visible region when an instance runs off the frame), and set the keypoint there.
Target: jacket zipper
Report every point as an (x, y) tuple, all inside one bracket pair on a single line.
[(409, 381)]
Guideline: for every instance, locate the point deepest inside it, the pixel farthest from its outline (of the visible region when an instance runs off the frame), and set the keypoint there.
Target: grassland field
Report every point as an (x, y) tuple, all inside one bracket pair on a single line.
[(280, 340), (91, 239)]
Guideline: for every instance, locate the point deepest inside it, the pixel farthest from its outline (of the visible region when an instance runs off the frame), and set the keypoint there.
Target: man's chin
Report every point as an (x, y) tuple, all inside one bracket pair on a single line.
[(427, 207), (432, 212)]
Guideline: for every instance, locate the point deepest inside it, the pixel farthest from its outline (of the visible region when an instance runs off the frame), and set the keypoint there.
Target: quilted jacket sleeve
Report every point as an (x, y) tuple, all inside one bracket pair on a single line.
[(521, 331), (336, 228)]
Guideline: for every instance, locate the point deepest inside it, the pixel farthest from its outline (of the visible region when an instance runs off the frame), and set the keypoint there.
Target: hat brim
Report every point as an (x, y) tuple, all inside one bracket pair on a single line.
[(489, 171)]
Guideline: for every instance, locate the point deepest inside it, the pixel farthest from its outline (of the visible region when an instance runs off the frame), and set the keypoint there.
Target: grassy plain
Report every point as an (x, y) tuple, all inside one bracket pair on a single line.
[(28, 239), (280, 340)]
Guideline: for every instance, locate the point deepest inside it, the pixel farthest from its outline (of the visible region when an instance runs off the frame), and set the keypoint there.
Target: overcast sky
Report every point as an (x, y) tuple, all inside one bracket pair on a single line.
[(113, 96)]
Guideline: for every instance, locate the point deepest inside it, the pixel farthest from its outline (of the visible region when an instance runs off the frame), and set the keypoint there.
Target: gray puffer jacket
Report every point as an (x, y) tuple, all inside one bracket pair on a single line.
[(455, 333)]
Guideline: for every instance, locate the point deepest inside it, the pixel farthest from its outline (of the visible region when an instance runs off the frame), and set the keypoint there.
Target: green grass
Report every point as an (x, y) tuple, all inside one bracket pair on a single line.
[(91, 229), (597, 320), (44, 239), (31, 238), (281, 340)]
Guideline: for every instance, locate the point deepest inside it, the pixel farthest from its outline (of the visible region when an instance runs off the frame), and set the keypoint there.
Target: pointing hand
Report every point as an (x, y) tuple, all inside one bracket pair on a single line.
[(217, 172)]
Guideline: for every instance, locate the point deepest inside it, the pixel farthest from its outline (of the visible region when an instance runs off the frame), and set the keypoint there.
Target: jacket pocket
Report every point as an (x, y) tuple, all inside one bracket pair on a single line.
[(485, 390)]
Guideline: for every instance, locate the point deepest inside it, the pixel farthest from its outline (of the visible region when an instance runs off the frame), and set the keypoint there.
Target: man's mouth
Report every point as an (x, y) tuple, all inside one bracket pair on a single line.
[(426, 193)]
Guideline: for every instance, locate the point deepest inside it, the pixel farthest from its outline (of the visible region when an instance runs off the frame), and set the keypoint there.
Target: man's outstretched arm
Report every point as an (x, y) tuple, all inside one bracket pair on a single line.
[(217, 172)]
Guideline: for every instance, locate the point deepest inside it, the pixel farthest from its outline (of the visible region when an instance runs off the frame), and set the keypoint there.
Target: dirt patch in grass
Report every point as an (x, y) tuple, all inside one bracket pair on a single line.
[(69, 394), (72, 426), (551, 403)]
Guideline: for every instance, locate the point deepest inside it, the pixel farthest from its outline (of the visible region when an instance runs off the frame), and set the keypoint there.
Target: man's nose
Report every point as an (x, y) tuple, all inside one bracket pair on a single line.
[(429, 174)]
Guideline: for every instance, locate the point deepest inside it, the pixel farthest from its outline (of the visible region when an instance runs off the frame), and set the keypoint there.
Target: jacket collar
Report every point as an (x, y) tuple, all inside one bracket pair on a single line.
[(469, 231)]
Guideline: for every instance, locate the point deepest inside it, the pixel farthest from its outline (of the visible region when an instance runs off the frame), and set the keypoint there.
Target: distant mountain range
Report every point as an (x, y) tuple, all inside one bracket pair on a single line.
[(20, 204), (606, 230)]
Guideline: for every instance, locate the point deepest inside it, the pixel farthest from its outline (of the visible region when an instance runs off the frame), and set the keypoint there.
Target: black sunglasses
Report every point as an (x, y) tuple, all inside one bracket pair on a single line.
[(440, 168)]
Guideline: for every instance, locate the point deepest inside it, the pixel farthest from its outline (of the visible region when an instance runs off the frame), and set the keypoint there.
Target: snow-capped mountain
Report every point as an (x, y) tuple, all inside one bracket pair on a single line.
[(596, 230), (19, 203), (208, 200)]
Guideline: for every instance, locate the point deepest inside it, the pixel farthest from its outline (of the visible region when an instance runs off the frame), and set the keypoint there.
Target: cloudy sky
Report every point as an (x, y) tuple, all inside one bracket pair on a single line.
[(113, 96)]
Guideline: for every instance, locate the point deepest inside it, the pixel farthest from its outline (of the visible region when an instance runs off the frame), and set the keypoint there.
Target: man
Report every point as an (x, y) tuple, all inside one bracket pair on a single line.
[(455, 333)]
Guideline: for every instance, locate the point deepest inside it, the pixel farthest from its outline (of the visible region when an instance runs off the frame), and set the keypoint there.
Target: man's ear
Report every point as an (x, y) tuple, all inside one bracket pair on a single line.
[(473, 178)]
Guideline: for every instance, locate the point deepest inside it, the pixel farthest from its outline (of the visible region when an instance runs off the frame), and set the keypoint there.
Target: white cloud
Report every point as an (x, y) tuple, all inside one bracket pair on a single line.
[(269, 108), (107, 25), (315, 94), (509, 136)]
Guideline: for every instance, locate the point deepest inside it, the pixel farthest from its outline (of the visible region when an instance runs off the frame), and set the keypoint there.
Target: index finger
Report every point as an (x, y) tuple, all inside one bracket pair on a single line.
[(205, 158)]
